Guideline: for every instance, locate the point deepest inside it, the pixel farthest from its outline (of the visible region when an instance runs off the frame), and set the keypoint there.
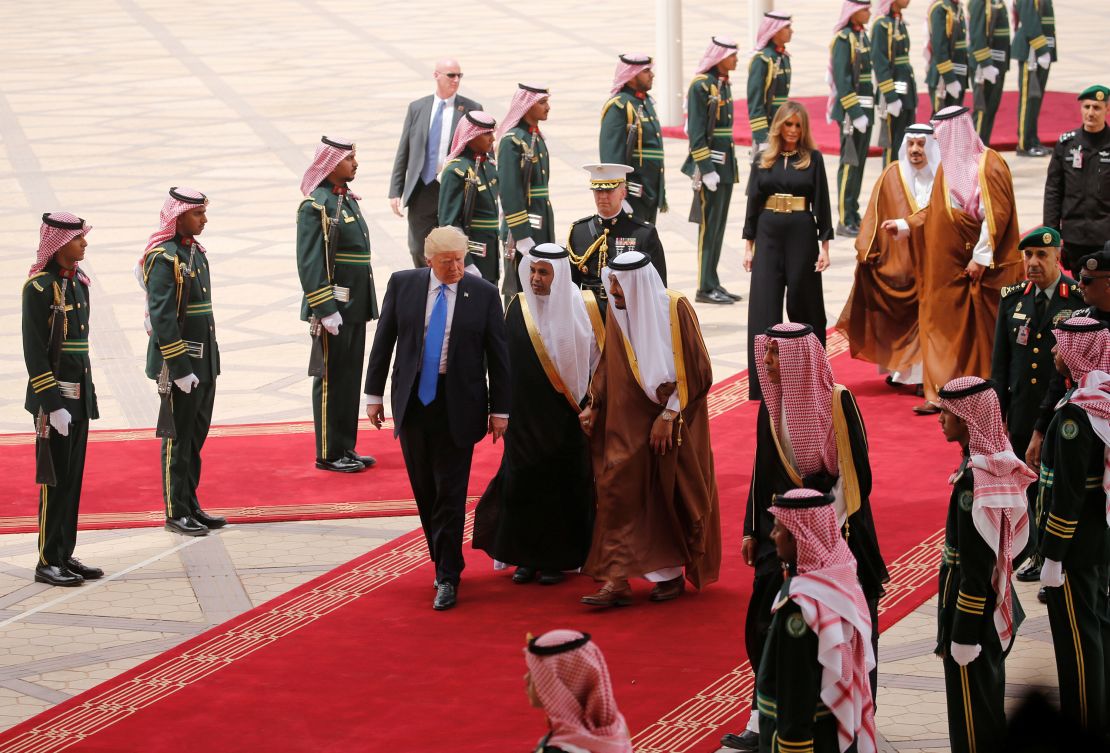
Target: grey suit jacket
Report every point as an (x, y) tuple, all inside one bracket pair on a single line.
[(414, 143)]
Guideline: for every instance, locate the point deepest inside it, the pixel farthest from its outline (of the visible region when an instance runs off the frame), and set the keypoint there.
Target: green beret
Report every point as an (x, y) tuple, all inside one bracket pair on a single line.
[(1041, 237), (1097, 92)]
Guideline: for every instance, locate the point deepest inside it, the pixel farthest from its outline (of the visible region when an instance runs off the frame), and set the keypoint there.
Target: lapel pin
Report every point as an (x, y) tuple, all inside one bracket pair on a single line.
[(466, 295)]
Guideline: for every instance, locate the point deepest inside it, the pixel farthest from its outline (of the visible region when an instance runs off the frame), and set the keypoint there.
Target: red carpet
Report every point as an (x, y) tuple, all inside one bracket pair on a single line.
[(1059, 113), (357, 661)]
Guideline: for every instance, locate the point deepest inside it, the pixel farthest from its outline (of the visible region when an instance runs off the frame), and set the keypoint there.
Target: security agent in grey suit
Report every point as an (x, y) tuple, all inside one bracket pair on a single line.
[(415, 179), (449, 332)]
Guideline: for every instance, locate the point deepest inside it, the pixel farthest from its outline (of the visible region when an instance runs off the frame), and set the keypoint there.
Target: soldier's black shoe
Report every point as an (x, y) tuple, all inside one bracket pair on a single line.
[(720, 289), (551, 577), (1033, 151), (524, 574), (445, 597), (713, 296), (76, 567), (186, 526), (1031, 574), (847, 231), (340, 465), (209, 521), (1042, 595), (366, 460), (57, 576), (746, 741)]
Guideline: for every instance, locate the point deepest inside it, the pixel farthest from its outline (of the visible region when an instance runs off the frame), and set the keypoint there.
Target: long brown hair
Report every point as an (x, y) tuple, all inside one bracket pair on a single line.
[(806, 145)]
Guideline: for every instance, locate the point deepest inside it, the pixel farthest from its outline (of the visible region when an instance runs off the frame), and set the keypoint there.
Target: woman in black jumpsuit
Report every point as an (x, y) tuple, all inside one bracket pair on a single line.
[(782, 240)]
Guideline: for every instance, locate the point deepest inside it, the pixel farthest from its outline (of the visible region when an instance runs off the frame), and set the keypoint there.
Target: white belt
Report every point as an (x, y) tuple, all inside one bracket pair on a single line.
[(341, 293), (72, 390)]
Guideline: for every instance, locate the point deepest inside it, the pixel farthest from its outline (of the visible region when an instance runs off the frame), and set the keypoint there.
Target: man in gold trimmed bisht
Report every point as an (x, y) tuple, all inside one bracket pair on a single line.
[(537, 512)]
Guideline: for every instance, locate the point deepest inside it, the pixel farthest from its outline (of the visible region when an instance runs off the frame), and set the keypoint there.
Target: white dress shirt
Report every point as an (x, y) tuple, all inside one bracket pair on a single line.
[(445, 132)]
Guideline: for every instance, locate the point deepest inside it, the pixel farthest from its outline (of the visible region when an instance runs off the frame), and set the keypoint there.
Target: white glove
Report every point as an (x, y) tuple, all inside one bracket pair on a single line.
[(187, 383), (1052, 571), (990, 73), (146, 324), (1044, 60), (60, 420), (711, 181), (524, 245), (894, 109), (953, 89), (332, 322), (964, 654), (860, 123)]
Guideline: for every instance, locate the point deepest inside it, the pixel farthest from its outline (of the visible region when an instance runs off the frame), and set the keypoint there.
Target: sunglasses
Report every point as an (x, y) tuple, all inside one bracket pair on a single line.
[(453, 75), (1089, 280)]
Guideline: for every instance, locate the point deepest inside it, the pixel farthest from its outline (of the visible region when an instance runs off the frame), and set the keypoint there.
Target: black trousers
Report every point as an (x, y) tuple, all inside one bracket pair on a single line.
[(1071, 253), (192, 416), (439, 471), (336, 396), (423, 217), (976, 715), (58, 504)]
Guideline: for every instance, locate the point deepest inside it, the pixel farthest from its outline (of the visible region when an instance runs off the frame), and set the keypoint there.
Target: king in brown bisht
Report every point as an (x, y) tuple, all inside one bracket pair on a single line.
[(657, 509)]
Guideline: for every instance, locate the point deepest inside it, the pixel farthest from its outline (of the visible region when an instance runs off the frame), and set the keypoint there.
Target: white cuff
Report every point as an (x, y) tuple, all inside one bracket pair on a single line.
[(374, 400), (672, 401), (903, 229), (499, 415), (983, 253)]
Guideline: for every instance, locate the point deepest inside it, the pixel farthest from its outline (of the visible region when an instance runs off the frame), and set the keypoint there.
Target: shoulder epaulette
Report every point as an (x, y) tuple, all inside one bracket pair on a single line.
[(1066, 135), (842, 34), (32, 279), (699, 77), (615, 100), (579, 222), (1011, 289), (637, 220)]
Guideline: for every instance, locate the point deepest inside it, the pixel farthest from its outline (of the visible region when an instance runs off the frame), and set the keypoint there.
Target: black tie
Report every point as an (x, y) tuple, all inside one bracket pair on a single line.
[(1041, 304)]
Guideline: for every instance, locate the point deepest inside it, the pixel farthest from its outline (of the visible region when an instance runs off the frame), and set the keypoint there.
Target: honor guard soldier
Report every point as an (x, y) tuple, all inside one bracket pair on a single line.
[(989, 29), (468, 193), (524, 174), (182, 355), (947, 54), (1034, 50), (896, 108), (1021, 364), (711, 163), (851, 104), (60, 393), (612, 231), (1077, 191), (768, 74), (630, 135), (333, 261)]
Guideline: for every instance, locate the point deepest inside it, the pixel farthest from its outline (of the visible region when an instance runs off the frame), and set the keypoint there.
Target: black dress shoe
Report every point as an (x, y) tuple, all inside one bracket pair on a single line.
[(746, 741), (551, 577), (186, 526), (75, 566), (366, 460), (847, 231), (209, 521), (57, 576), (1033, 151), (445, 597), (340, 465), (1031, 574), (712, 296), (1042, 595), (720, 289), (524, 574)]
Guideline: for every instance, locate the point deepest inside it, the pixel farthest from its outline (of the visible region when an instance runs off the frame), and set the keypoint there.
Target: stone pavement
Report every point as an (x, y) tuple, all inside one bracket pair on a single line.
[(102, 113)]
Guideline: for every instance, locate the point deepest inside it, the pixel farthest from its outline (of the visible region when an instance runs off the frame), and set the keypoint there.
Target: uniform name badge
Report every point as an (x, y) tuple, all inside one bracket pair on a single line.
[(476, 249), (1077, 158), (536, 221), (716, 157), (624, 244), (1023, 335), (341, 293), (635, 189)]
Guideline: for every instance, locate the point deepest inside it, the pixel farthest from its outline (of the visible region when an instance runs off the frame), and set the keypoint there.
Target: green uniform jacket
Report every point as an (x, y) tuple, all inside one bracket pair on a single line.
[(1072, 460), (768, 89), (352, 258), (851, 72), (191, 349), (718, 153), (1023, 372), (40, 292), (989, 28), (1036, 29), (483, 224), (890, 57), (646, 160), (948, 39), (527, 209)]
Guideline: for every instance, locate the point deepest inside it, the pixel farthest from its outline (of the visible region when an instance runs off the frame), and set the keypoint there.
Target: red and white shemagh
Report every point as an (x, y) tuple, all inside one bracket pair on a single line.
[(960, 149), (998, 509), (826, 589), (805, 389), (847, 10), (167, 219), (52, 238), (627, 71), (326, 158), (577, 695), (882, 7), (719, 48), (521, 103), (1087, 355), (768, 27), (469, 130)]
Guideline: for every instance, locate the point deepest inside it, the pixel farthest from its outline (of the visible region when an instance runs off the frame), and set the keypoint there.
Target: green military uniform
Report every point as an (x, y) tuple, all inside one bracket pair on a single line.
[(336, 395), (948, 57), (188, 349), (634, 109), (709, 124), (768, 89), (527, 208), (594, 240), (58, 504), (1035, 36), (483, 240), (989, 28), (855, 98), (890, 58)]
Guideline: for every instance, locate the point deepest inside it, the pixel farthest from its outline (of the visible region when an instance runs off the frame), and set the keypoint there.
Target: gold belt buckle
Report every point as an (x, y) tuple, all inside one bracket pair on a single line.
[(780, 203)]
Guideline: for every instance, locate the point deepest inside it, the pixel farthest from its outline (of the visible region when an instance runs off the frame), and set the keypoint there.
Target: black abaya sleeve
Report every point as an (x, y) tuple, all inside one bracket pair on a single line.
[(821, 209), (755, 204)]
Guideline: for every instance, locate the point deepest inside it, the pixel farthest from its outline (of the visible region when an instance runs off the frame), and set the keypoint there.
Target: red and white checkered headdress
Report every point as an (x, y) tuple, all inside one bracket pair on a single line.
[(58, 229), (960, 149), (526, 96), (472, 125), (179, 201), (773, 22), (629, 66), (719, 48), (329, 153), (1083, 344), (849, 8)]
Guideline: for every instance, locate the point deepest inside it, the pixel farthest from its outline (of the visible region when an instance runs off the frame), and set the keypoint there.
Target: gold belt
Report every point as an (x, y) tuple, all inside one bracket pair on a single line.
[(784, 202)]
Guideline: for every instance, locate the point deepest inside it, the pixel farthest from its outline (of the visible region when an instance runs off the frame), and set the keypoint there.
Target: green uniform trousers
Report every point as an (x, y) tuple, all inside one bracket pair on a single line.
[(336, 396), (1029, 108), (896, 131), (849, 178), (711, 234), (975, 694), (1079, 615), (58, 504), (992, 97), (192, 415)]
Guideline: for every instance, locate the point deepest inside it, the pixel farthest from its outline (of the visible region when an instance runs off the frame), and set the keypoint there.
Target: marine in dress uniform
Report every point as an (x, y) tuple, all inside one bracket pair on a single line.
[(851, 105), (60, 390), (178, 286), (711, 163), (894, 79), (338, 285), (768, 74), (1077, 190), (947, 54), (631, 135), (468, 193), (1034, 49), (989, 29), (612, 231)]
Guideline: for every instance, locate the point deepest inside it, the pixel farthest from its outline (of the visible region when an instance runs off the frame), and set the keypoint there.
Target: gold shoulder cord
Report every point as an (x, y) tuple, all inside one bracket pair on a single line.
[(600, 246)]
